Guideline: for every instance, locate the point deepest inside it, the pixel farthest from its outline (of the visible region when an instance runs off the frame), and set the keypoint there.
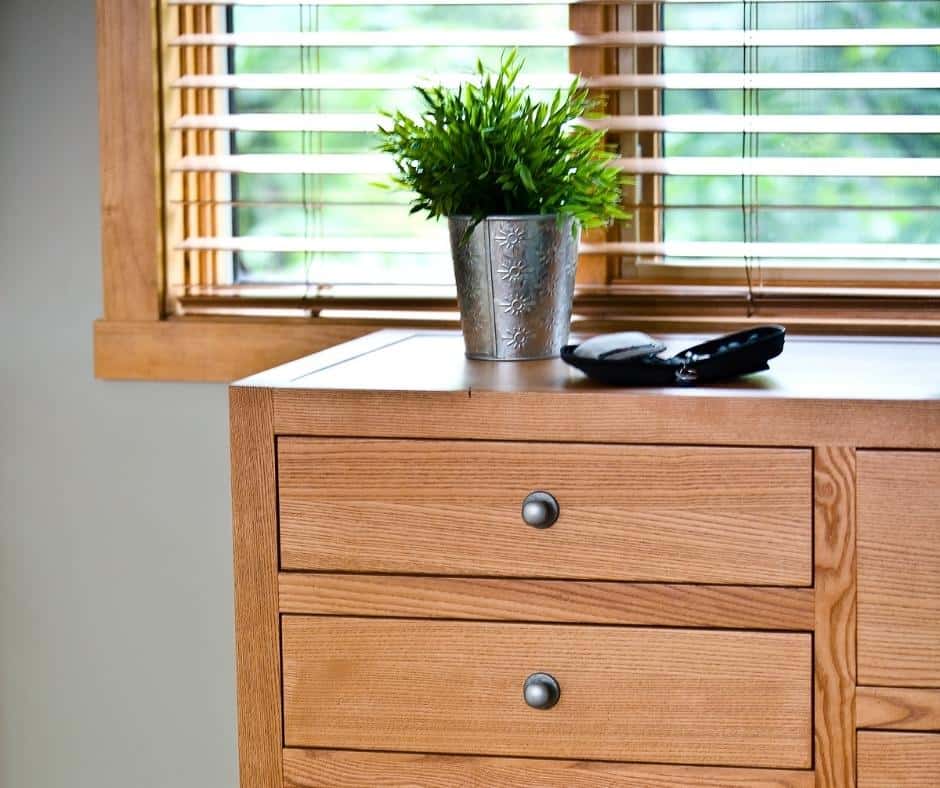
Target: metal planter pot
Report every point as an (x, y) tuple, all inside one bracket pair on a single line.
[(515, 283)]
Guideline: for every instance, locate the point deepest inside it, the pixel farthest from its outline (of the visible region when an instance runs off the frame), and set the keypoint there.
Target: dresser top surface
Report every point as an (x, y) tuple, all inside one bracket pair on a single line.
[(843, 368)]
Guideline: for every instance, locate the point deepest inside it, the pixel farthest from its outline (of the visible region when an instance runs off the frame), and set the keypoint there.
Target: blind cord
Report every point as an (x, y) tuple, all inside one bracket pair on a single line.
[(749, 146), (755, 182), (309, 63)]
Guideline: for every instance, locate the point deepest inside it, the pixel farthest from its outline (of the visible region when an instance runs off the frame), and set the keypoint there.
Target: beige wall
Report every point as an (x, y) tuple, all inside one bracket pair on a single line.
[(116, 655)]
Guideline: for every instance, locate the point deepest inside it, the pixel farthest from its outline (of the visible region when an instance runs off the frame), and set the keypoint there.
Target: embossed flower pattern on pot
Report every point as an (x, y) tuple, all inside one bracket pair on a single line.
[(472, 315), (511, 239), (466, 285), (547, 281), (551, 248), (512, 270), (521, 287), (517, 305), (472, 318), (517, 337), (570, 251), (547, 320)]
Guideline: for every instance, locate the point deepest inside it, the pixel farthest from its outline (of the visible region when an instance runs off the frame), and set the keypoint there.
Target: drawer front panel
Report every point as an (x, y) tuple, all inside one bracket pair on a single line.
[(654, 695), (898, 760), (657, 514), (899, 568), (332, 768)]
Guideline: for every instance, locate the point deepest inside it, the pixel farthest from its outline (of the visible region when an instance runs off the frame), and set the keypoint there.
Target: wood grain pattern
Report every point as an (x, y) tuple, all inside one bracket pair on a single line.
[(653, 514), (834, 642), (568, 601), (257, 640), (898, 760), (364, 674), (661, 695), (339, 769), (709, 416), (118, 362), (130, 159), (899, 569), (298, 368), (175, 105), (670, 302), (871, 393), (208, 350), (837, 368), (647, 188), (591, 61), (897, 708)]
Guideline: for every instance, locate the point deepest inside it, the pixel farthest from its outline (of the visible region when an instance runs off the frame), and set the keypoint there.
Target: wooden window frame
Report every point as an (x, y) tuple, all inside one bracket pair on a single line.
[(137, 337), (140, 337)]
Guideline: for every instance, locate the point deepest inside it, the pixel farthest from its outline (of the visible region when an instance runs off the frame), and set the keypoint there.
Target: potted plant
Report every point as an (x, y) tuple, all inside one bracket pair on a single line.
[(517, 179)]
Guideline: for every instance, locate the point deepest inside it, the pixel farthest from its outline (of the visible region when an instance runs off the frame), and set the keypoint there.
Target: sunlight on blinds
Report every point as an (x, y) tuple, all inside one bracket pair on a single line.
[(760, 132), (827, 150), (300, 90)]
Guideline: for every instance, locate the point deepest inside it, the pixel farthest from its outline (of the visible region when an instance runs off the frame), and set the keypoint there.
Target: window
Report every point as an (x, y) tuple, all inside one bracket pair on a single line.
[(353, 231), (279, 138), (798, 138), (785, 158)]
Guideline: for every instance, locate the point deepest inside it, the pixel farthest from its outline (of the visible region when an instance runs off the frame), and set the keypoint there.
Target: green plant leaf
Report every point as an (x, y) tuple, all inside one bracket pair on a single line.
[(489, 148)]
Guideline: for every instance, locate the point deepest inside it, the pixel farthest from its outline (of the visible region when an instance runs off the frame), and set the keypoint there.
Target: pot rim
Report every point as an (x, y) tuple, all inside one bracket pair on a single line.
[(502, 217)]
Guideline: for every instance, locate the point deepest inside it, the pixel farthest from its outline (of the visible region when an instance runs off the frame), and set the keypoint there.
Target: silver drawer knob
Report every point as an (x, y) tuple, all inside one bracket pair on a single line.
[(541, 691), (540, 509)]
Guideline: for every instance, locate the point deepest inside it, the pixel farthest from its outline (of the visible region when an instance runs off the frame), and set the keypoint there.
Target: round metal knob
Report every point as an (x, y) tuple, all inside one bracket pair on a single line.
[(541, 691), (540, 509)]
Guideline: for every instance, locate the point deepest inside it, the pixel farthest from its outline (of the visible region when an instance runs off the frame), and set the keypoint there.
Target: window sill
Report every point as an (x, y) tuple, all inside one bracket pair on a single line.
[(210, 350), (224, 347)]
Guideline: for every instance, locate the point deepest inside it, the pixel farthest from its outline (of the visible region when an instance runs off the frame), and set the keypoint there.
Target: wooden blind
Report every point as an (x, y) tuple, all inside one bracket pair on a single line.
[(760, 134), (789, 137)]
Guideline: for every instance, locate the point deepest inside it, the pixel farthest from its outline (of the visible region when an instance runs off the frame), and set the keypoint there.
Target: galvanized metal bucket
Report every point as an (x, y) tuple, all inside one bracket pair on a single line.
[(515, 283)]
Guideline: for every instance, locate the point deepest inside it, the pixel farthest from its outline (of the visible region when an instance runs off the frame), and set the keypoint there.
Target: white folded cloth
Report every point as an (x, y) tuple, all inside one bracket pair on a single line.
[(619, 347)]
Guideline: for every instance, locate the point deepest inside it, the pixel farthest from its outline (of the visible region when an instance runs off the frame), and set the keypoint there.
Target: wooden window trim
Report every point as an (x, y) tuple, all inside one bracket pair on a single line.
[(139, 337), (130, 154)]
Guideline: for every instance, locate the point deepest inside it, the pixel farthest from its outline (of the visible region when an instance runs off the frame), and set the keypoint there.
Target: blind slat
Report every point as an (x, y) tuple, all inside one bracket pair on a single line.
[(690, 249), (273, 163), (373, 3), (271, 121), (857, 37), (393, 3), (387, 81), (774, 124), (773, 251), (855, 80), (845, 167), (632, 207), (807, 80), (377, 164), (403, 38), (287, 244), (253, 210), (718, 124)]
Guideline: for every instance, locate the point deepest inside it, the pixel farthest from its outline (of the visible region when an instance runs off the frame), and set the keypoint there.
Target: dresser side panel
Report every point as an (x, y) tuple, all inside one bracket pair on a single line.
[(257, 630)]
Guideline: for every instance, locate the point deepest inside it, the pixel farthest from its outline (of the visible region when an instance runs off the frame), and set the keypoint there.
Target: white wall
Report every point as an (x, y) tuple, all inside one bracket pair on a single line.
[(116, 645)]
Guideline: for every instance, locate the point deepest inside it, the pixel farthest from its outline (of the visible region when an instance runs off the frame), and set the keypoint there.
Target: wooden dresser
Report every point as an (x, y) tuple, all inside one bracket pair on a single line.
[(457, 573)]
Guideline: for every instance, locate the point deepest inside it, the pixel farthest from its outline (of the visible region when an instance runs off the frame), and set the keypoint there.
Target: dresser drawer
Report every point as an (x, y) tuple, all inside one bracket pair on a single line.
[(697, 515), (627, 694), (307, 768), (899, 568), (898, 760)]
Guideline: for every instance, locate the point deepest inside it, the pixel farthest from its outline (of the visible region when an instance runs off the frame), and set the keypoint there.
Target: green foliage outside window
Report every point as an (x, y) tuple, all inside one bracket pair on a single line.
[(805, 209)]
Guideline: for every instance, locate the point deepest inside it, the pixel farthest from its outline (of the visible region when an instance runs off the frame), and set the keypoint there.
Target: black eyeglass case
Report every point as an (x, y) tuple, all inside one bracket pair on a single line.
[(725, 357)]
